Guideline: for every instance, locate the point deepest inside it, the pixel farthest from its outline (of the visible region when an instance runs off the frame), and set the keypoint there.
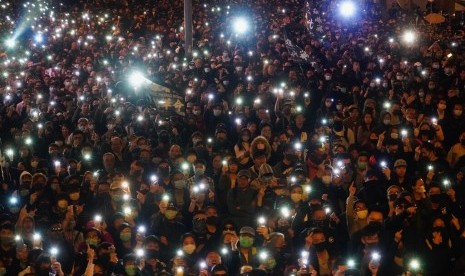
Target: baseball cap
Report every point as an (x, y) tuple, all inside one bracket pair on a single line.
[(400, 163), (247, 230), (244, 173)]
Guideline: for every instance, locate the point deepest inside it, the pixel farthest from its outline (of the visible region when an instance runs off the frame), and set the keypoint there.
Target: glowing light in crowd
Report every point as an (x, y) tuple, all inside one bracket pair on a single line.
[(409, 36), (240, 25), (347, 8)]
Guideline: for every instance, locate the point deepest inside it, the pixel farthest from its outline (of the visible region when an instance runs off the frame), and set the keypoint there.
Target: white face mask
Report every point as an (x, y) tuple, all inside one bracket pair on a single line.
[(189, 248), (327, 77), (216, 112)]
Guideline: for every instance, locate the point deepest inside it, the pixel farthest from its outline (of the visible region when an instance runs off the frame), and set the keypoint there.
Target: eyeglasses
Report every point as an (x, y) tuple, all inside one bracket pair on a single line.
[(58, 229)]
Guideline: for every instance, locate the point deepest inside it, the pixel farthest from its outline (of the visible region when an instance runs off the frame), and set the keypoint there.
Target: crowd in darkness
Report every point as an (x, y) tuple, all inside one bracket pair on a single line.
[(347, 159)]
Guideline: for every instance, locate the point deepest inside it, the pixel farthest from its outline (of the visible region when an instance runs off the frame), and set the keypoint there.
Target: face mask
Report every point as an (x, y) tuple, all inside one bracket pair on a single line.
[(362, 214), (392, 197), (117, 198), (435, 66), (225, 82), (6, 240), (74, 196), (372, 84), (362, 165), (436, 198), (296, 197), (371, 246), (270, 264), (387, 122), (188, 248), (213, 220), (179, 184), (395, 135), (399, 78), (377, 224), (326, 179), (458, 112), (245, 138), (327, 77), (92, 241), (216, 112), (125, 237), (171, 214), (239, 68), (24, 193), (206, 69), (421, 94), (130, 270), (34, 164), (196, 112), (320, 247), (199, 171), (339, 107), (199, 226), (245, 241), (320, 223)]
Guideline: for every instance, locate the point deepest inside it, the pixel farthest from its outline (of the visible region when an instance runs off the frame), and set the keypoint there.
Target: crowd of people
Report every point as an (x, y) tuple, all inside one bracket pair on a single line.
[(346, 159)]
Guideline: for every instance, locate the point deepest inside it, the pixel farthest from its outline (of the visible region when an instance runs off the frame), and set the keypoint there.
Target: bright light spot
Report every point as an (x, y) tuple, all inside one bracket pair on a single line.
[(13, 200), (240, 25), (136, 79), (414, 264), (347, 9), (409, 37), (351, 263), (10, 43), (53, 251), (38, 38)]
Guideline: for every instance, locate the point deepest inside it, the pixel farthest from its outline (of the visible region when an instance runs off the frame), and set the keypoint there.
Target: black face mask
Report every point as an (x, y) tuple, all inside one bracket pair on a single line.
[(151, 253), (371, 246), (439, 198), (213, 220), (104, 258), (320, 247), (320, 223), (199, 226), (164, 172), (137, 173), (392, 197), (378, 224), (338, 126)]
